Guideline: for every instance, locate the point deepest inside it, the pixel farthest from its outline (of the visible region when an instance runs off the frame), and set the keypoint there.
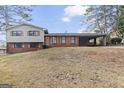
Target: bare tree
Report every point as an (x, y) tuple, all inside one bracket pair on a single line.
[(13, 14)]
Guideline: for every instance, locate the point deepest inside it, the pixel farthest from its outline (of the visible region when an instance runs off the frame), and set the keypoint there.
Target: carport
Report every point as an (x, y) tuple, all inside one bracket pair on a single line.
[(84, 38)]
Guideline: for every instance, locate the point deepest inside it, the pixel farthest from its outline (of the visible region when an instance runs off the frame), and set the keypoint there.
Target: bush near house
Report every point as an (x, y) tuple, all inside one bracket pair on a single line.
[(116, 40), (45, 46)]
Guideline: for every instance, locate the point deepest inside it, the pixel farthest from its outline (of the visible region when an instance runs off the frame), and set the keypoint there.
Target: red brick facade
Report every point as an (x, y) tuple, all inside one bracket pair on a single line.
[(48, 40), (26, 48), (58, 41)]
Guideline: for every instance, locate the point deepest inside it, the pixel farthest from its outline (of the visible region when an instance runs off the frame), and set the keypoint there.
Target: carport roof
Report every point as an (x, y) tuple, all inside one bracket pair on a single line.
[(77, 34)]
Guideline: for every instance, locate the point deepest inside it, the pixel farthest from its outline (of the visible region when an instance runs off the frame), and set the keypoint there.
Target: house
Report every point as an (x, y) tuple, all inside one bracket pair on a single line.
[(114, 34), (2, 50), (27, 37), (24, 37)]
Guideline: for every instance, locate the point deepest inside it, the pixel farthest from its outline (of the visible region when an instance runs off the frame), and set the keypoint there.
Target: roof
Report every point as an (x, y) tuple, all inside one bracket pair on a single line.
[(24, 25), (76, 34)]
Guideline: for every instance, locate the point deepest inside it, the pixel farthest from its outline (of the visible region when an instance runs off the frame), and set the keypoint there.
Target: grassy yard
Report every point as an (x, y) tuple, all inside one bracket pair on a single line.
[(64, 67)]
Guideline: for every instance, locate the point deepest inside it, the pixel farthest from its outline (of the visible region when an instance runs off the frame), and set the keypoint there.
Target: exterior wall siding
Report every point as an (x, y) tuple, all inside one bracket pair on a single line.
[(26, 48), (25, 35)]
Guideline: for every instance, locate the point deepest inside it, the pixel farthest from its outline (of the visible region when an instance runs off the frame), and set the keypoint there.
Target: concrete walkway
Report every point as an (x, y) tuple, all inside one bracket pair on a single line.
[(113, 46)]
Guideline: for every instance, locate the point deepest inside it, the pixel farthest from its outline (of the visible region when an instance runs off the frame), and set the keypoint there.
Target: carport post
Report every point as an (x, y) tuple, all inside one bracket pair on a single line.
[(104, 40), (95, 41)]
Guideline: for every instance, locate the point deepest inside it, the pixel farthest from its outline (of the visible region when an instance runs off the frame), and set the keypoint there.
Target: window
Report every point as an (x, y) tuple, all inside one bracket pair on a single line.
[(16, 33), (54, 40), (34, 45), (63, 40), (18, 45), (47, 40), (34, 33), (72, 40)]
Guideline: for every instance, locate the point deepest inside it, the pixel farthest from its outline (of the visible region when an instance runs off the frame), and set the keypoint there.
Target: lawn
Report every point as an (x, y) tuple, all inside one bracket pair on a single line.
[(64, 67)]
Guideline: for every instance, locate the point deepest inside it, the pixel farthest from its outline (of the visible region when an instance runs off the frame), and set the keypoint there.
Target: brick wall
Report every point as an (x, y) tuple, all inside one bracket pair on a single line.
[(26, 48), (68, 43)]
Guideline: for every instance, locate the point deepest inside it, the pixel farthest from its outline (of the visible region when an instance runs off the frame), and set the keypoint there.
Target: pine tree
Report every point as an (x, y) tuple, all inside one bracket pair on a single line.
[(14, 14), (120, 20)]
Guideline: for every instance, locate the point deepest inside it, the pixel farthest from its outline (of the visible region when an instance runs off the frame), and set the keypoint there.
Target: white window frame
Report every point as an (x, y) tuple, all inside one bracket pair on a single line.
[(73, 40), (16, 33), (63, 40), (54, 40), (34, 33)]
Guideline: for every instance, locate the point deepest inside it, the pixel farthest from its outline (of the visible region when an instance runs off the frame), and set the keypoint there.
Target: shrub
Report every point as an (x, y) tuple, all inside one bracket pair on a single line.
[(116, 40), (45, 46)]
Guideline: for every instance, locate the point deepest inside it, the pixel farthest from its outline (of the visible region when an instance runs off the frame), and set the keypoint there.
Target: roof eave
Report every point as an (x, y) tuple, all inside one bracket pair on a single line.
[(24, 24), (90, 34)]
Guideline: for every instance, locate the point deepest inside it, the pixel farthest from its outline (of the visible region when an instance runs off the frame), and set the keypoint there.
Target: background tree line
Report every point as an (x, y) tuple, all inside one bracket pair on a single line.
[(106, 18)]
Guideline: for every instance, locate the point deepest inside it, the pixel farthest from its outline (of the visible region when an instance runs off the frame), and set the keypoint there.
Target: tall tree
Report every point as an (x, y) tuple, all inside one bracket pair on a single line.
[(120, 20), (102, 18), (11, 15), (14, 14)]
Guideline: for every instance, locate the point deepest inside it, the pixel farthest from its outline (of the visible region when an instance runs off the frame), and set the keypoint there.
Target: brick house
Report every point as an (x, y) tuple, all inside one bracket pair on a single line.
[(24, 37), (72, 39), (2, 50), (27, 37)]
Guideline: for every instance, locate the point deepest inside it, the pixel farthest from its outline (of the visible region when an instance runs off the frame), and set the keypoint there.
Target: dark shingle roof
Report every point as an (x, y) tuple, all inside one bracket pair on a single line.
[(76, 34)]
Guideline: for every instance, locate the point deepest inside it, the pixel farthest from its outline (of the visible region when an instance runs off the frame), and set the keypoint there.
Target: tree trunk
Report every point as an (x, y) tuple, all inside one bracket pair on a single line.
[(105, 21), (97, 21), (6, 17)]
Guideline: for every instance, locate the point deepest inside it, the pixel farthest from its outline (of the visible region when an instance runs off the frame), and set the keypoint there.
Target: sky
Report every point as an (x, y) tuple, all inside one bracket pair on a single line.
[(59, 18)]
